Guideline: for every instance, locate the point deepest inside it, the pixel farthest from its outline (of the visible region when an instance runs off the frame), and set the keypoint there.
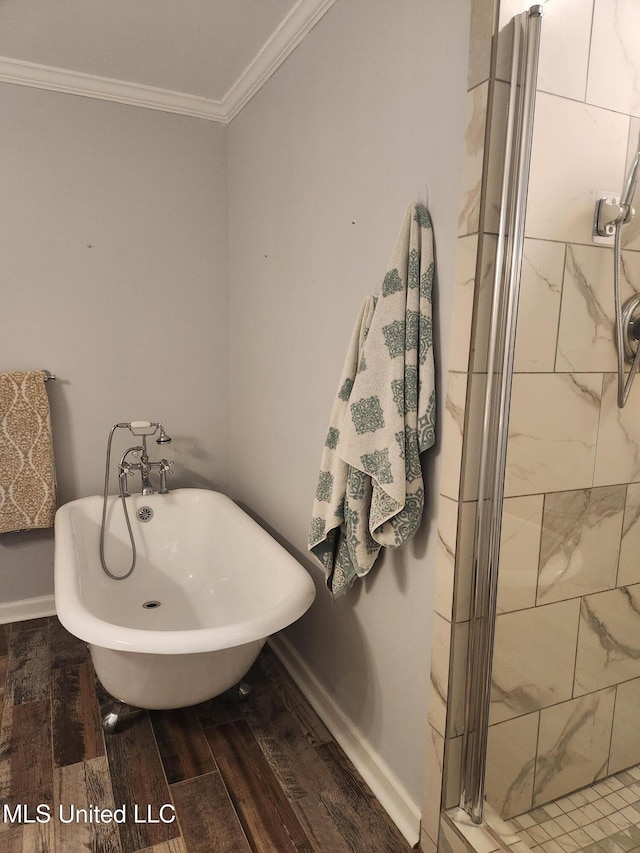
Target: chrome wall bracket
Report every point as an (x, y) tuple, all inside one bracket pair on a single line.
[(608, 213)]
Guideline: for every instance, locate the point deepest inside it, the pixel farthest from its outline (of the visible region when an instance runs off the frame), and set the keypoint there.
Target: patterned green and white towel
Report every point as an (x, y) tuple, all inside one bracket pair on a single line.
[(370, 490)]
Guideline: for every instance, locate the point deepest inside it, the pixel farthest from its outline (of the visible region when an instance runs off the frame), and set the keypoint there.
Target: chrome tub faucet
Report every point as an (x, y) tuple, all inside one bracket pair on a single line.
[(144, 465)]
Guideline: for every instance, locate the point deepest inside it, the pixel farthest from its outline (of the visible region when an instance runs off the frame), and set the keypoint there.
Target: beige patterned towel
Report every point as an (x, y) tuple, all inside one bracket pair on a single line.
[(27, 470), (370, 490)]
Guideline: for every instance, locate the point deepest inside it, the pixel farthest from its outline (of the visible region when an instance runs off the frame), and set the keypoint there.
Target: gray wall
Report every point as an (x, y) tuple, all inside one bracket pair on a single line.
[(322, 163), (113, 240)]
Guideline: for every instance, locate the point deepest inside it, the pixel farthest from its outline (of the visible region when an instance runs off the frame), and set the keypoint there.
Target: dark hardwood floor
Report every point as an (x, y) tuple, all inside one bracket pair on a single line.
[(259, 775)]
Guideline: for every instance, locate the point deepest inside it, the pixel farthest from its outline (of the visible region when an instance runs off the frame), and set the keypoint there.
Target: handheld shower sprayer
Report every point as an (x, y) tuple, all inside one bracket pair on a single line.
[(147, 428), (142, 429)]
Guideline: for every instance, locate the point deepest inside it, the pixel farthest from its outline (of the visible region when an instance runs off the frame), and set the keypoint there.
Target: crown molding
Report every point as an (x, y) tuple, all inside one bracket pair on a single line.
[(107, 89), (300, 20)]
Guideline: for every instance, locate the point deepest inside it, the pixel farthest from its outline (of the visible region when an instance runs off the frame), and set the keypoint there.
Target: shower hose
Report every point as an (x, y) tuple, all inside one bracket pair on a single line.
[(104, 517), (624, 387)]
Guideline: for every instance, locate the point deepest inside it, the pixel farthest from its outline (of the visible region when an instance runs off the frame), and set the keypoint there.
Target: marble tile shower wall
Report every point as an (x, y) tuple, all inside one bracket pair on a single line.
[(567, 659), (566, 678)]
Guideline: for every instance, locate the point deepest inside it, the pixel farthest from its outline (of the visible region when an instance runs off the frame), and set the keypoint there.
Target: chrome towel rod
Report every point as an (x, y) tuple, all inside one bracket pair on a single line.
[(48, 375)]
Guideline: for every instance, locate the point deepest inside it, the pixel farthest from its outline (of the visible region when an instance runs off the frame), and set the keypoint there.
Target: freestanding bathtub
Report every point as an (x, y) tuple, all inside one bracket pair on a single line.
[(209, 586)]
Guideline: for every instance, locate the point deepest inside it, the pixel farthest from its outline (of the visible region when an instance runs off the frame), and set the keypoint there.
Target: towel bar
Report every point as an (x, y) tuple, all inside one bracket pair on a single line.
[(48, 375)]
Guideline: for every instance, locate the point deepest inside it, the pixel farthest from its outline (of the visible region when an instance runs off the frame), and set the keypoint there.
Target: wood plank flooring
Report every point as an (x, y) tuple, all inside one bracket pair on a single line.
[(226, 776)]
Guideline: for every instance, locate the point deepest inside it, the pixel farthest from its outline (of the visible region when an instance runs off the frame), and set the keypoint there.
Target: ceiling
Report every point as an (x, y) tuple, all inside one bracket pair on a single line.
[(196, 57)]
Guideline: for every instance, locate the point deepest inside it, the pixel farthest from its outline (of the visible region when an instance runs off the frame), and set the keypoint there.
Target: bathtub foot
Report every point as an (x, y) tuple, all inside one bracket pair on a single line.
[(110, 719), (244, 691)]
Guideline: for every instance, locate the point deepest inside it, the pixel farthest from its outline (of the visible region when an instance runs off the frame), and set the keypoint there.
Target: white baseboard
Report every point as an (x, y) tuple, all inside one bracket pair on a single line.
[(386, 786), (27, 608)]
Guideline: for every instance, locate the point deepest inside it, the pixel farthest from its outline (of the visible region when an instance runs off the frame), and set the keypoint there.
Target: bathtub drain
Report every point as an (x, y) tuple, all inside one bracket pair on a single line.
[(149, 605), (145, 513)]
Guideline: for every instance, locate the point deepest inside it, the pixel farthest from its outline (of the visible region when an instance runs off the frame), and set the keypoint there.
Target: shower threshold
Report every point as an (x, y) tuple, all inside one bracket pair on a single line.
[(602, 818)]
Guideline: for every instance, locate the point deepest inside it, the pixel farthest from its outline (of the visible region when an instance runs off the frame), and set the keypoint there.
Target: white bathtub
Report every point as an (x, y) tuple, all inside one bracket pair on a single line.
[(223, 586)]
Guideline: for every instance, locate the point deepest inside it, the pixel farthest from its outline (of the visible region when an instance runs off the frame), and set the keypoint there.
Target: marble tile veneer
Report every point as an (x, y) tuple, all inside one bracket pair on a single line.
[(522, 681), (615, 58), (519, 552), (511, 762), (538, 757), (631, 231), (618, 452), (440, 654), (587, 320), (482, 311), (469, 218), (580, 542), (573, 744), (452, 426), (609, 639), (539, 306), (576, 148), (463, 299), (564, 61), (629, 563), (552, 432), (625, 736)]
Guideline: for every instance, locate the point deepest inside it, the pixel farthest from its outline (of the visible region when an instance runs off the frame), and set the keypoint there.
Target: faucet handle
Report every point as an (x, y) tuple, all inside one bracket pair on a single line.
[(165, 468), (124, 472)]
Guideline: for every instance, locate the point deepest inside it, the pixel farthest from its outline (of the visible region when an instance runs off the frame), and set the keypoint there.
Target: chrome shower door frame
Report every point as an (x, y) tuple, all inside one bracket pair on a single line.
[(493, 449)]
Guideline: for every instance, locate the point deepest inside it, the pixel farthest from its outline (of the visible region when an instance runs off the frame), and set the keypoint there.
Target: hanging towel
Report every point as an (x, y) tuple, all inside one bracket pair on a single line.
[(27, 470), (370, 489)]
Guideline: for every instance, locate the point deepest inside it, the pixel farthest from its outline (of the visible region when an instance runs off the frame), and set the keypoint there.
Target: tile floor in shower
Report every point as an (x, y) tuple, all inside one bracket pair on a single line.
[(604, 818), (263, 775)]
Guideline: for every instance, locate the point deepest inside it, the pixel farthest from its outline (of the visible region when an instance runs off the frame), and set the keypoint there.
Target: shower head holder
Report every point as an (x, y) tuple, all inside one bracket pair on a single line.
[(609, 212), (143, 427)]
